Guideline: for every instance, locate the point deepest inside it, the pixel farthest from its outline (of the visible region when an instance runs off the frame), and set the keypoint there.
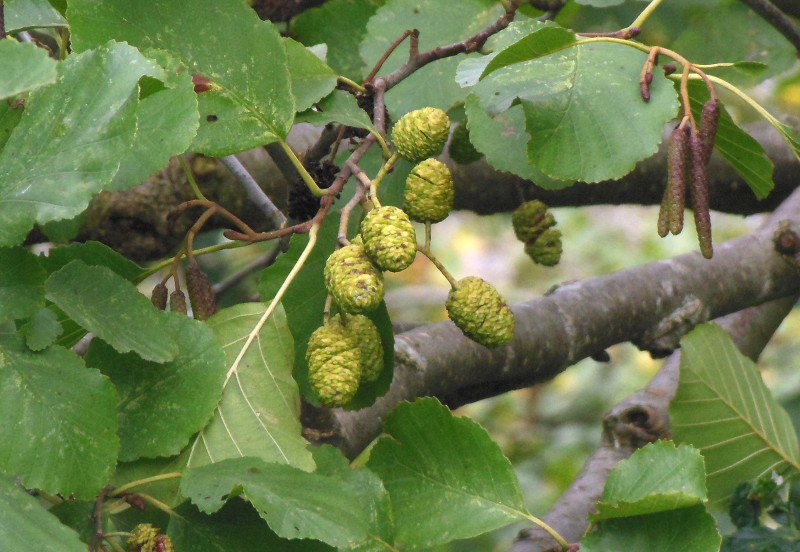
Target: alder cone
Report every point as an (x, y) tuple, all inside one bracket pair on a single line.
[(389, 238), (531, 219), (146, 538), (334, 363), (546, 249), (479, 311), (201, 292), (429, 192), (421, 133), (354, 282), (363, 331)]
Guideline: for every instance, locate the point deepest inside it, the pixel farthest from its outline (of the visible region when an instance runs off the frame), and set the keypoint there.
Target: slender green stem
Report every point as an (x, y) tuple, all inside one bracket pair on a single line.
[(351, 83), (550, 531), (639, 21), (373, 188), (428, 236), (160, 505), (382, 142), (316, 190), (115, 545), (631, 43), (197, 252), (438, 264), (162, 477), (190, 177), (117, 534)]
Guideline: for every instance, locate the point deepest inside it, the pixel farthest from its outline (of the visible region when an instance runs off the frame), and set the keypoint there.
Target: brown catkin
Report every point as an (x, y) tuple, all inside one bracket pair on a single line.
[(677, 163), (709, 120), (201, 294), (177, 302), (663, 213), (159, 296), (699, 196)]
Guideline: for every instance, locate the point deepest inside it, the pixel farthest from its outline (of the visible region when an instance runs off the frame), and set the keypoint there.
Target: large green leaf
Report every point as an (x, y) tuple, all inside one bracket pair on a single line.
[(235, 528), (295, 503), (544, 39), (21, 283), (258, 414), (162, 405), (28, 14), (440, 22), (339, 107), (312, 80), (103, 302), (26, 525), (723, 408), (24, 67), (657, 478), (58, 420), (93, 254), (72, 134), (688, 529), (444, 472), (741, 150), (166, 123), (221, 39), (341, 24)]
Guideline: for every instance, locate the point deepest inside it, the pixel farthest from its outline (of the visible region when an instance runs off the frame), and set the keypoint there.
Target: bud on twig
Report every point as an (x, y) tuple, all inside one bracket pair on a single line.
[(159, 296), (177, 302), (677, 160), (201, 293), (699, 195)]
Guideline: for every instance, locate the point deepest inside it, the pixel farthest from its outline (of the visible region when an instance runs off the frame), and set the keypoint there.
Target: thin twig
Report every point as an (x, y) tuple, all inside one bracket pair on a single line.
[(254, 191), (2, 20), (775, 17), (97, 516)]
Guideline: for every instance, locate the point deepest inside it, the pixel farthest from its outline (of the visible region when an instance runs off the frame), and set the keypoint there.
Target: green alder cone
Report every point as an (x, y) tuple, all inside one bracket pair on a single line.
[(421, 133), (429, 193), (334, 363), (354, 282), (146, 538), (546, 249), (363, 331), (389, 238), (531, 219), (479, 311)]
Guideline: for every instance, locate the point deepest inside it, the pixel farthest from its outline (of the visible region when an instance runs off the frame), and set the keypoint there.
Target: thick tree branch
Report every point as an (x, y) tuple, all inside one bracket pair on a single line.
[(651, 305)]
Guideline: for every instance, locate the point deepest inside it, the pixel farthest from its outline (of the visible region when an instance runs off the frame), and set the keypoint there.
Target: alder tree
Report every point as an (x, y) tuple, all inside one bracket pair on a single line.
[(140, 139)]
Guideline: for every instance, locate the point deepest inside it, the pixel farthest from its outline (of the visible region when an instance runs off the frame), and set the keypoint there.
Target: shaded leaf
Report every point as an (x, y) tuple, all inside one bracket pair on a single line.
[(59, 420), (24, 66), (10, 114), (27, 525), (29, 14), (258, 414), (657, 478), (42, 330), (439, 23), (254, 107), (443, 472), (723, 408), (295, 503), (72, 134), (341, 24), (162, 405), (542, 41), (93, 254), (21, 283), (311, 78), (691, 529), (338, 107), (103, 302)]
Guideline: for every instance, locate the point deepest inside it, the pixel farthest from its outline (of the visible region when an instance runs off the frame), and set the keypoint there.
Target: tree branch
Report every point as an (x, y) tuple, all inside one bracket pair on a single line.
[(651, 305), (775, 17)]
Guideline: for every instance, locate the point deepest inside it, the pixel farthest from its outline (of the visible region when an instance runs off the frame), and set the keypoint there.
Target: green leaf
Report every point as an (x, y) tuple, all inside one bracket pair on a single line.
[(59, 429), (42, 330), (93, 254), (723, 408), (688, 529), (166, 124), (22, 15), (72, 134), (10, 114), (443, 472), (235, 528), (341, 24), (165, 490), (504, 141), (542, 41), (104, 303), (338, 107), (27, 525), (657, 478), (311, 78), (258, 414), (741, 150), (162, 405), (254, 107), (24, 67), (21, 283), (439, 23), (295, 503)]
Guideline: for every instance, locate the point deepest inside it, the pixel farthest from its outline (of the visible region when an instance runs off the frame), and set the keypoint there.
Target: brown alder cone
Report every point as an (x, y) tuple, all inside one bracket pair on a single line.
[(177, 302), (159, 296), (201, 293), (699, 196)]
